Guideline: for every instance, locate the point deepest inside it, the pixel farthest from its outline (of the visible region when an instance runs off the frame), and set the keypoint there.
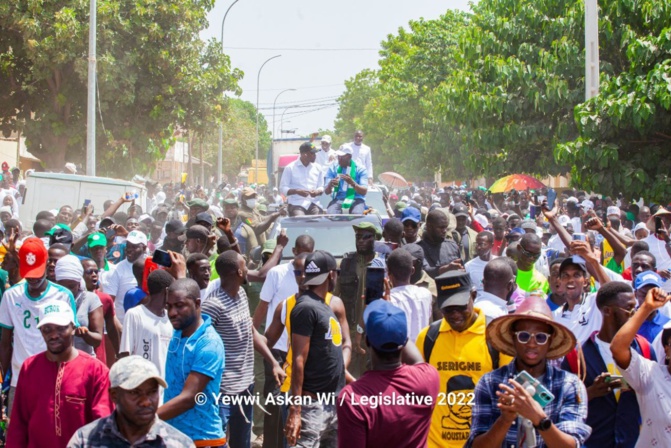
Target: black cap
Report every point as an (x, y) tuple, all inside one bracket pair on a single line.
[(318, 264), (204, 217), (454, 288), (106, 222), (62, 236), (197, 232), (460, 210), (308, 147), (175, 225)]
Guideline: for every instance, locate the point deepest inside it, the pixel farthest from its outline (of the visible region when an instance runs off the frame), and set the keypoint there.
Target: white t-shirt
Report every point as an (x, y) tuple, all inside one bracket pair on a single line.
[(105, 275), (584, 320), (280, 284), (361, 155), (476, 269), (148, 335), (416, 302), (20, 312), (652, 383), (556, 243), (491, 305), (121, 280), (658, 249)]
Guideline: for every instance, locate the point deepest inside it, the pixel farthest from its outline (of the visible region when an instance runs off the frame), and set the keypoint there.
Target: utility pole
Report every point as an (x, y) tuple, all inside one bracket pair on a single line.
[(258, 82), (591, 49), (91, 100)]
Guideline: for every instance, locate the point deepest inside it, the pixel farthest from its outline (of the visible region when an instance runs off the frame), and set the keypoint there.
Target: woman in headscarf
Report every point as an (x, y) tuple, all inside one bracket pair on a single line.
[(70, 274)]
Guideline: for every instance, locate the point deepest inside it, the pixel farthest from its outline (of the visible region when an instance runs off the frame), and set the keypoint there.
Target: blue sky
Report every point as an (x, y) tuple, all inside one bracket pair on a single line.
[(322, 44)]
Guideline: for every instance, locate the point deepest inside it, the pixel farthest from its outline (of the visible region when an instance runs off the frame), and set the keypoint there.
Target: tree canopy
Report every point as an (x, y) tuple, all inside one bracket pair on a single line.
[(501, 90), (155, 77)]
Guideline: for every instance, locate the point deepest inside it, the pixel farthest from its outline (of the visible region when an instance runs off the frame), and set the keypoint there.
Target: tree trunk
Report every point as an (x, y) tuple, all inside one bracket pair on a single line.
[(190, 145), (202, 163), (50, 149)]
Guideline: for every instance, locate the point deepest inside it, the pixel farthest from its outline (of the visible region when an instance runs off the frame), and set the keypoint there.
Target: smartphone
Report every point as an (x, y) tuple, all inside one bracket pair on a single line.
[(579, 237), (539, 393), (611, 378), (130, 195), (552, 197), (86, 202), (532, 211), (659, 225), (162, 258), (374, 284)]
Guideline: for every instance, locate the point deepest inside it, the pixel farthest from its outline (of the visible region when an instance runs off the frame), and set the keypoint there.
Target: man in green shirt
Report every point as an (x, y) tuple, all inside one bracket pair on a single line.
[(528, 253)]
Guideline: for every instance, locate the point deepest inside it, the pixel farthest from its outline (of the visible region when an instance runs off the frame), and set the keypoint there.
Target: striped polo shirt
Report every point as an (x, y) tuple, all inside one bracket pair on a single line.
[(232, 322)]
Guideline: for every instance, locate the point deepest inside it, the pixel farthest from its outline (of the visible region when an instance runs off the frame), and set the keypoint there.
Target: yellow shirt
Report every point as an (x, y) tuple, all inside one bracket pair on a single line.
[(291, 303), (461, 360)]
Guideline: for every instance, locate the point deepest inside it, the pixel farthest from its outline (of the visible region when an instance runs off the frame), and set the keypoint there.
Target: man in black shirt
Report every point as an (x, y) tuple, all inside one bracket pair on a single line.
[(440, 254), (318, 369)]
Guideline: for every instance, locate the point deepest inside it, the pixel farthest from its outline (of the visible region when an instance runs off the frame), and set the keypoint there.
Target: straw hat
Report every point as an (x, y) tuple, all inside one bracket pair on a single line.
[(500, 335)]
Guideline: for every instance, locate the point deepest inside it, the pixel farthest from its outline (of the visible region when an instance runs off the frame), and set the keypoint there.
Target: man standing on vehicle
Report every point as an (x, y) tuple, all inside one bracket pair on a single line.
[(302, 183), (327, 156), (361, 154), (347, 182)]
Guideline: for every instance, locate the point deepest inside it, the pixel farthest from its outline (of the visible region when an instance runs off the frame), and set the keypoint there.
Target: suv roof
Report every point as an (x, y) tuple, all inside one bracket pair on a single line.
[(332, 233)]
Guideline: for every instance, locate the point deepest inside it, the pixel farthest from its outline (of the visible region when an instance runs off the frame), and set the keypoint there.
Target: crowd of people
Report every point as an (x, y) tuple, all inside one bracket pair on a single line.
[(515, 319)]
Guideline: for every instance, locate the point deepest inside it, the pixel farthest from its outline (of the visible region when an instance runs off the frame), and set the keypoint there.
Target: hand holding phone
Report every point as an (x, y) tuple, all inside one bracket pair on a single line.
[(162, 258)]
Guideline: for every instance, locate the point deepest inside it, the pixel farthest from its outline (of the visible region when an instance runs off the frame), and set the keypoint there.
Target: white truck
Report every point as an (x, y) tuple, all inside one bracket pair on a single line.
[(49, 191)]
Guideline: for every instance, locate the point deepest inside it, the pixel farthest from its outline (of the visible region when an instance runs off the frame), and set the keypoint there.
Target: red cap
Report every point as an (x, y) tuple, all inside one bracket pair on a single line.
[(32, 258)]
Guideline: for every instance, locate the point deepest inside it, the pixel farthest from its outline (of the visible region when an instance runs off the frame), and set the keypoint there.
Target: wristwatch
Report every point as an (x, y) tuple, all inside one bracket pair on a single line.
[(544, 424), (359, 329)]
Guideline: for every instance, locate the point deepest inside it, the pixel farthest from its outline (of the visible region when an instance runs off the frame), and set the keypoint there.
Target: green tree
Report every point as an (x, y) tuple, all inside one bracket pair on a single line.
[(624, 139), (359, 90), (155, 75)]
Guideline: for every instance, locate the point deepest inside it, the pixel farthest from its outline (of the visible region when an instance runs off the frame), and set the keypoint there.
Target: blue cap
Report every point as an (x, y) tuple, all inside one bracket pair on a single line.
[(517, 230), (386, 326), (412, 214), (648, 278), (133, 298)]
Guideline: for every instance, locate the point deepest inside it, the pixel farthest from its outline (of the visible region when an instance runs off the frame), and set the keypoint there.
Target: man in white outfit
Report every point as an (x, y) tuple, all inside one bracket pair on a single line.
[(361, 155)]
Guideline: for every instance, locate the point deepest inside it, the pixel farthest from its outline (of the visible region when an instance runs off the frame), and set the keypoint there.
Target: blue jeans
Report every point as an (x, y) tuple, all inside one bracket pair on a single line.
[(238, 418), (335, 207)]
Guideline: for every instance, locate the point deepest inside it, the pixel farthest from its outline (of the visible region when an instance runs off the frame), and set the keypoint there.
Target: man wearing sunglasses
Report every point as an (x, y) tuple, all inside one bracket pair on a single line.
[(613, 411), (529, 250), (505, 413)]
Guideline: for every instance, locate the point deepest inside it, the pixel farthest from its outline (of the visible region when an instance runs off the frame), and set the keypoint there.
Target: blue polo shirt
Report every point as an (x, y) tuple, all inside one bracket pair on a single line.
[(361, 178), (651, 328), (202, 352)]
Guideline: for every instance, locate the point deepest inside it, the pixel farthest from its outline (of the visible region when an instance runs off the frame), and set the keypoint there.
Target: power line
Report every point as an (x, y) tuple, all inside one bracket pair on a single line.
[(300, 49), (300, 87)]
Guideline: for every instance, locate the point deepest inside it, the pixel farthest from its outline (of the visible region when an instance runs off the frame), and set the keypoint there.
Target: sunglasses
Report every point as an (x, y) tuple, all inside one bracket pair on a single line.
[(91, 271), (364, 236), (523, 337), (528, 254)]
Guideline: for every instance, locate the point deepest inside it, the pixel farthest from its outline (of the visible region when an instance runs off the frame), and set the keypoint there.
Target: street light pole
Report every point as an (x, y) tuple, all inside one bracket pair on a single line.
[(282, 116), (220, 153), (275, 102), (258, 83), (91, 100), (591, 49)]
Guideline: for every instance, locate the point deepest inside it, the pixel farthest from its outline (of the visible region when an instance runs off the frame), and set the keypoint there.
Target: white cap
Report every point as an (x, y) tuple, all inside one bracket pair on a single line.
[(326, 138), (56, 312), (344, 150), (641, 226), (612, 210), (482, 220), (564, 220), (136, 237), (572, 199), (71, 167), (130, 372), (587, 205)]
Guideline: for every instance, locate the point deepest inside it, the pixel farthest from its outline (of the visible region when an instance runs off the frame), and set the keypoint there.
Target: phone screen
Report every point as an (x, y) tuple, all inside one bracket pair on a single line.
[(374, 284), (87, 202), (552, 196), (658, 224), (162, 258)]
